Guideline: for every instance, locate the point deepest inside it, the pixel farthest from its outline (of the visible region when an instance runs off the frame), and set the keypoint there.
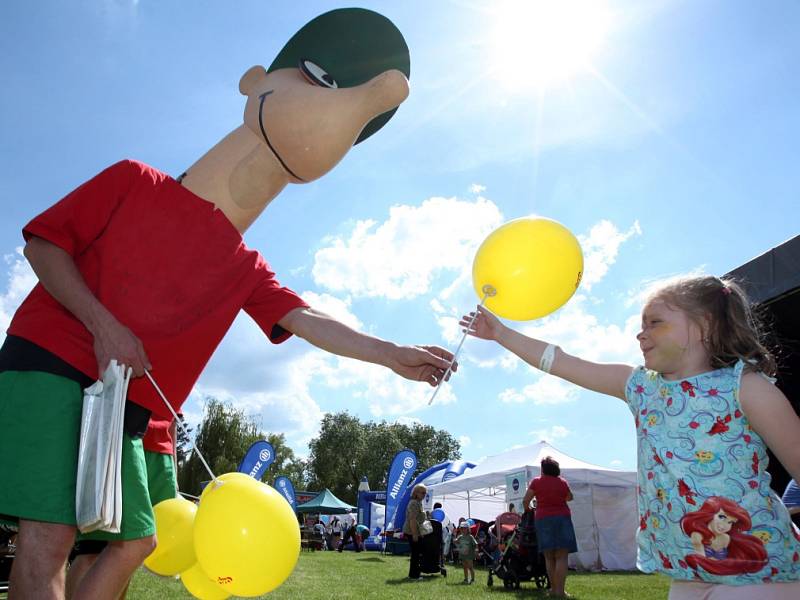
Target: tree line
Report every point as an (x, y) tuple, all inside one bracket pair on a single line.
[(344, 450)]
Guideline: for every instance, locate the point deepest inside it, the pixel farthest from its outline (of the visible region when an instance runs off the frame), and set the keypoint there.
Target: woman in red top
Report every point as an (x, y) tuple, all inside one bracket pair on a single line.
[(555, 535)]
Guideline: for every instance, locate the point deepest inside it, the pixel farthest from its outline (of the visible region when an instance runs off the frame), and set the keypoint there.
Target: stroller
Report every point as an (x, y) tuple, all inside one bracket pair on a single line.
[(519, 559), (432, 560)]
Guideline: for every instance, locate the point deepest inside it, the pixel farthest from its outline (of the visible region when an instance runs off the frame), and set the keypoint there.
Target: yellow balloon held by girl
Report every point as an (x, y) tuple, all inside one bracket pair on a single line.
[(527, 268)]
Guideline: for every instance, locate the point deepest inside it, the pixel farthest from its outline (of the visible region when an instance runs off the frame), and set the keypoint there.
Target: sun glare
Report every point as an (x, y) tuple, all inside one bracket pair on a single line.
[(541, 44)]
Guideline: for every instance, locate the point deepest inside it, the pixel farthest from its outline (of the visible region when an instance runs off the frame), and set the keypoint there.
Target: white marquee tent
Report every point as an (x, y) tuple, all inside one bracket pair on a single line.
[(604, 510)]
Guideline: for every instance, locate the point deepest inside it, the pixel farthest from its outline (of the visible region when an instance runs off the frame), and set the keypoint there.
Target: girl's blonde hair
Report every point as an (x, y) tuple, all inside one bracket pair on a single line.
[(417, 488), (731, 330)]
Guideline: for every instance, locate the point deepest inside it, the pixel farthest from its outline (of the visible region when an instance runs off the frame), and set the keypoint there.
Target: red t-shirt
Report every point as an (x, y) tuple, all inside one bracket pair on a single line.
[(157, 438), (551, 496), (166, 263)]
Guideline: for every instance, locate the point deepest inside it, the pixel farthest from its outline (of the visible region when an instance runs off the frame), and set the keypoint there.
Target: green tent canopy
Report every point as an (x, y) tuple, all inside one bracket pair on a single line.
[(326, 504)]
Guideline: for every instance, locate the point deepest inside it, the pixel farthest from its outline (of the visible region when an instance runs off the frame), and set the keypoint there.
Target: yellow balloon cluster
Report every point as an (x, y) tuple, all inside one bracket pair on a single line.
[(527, 268), (242, 539)]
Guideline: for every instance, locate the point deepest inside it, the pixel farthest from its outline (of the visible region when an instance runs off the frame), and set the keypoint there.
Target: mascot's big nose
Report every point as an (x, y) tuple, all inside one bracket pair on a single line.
[(311, 127)]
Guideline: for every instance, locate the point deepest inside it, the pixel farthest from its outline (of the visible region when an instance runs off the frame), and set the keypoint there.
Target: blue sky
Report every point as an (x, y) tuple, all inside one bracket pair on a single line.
[(662, 133)]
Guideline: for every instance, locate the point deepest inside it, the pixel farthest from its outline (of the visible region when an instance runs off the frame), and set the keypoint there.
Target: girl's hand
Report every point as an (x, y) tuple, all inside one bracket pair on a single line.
[(485, 326)]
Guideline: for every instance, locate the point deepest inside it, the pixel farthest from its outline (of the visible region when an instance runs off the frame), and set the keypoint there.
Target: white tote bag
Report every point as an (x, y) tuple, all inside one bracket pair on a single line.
[(98, 492)]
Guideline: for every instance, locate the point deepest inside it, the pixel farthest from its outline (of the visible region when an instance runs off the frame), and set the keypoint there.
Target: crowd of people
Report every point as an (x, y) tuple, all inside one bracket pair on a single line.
[(338, 533)]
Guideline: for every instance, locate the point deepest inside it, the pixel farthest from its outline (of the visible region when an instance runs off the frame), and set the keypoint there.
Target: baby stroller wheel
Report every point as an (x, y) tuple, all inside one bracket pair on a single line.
[(490, 581), (507, 583), (443, 572), (542, 582)]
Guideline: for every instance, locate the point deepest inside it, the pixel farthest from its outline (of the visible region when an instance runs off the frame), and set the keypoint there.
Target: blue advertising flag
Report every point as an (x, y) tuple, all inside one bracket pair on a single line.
[(257, 459), (285, 487), (400, 473)]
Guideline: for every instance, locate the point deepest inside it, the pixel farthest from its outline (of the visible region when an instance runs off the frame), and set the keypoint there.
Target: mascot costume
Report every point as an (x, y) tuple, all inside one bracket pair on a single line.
[(151, 271)]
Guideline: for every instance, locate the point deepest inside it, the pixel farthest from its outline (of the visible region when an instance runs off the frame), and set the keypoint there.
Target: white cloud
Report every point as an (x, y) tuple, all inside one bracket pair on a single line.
[(271, 385), (464, 441), (615, 463), (556, 432), (580, 333), (385, 393), (545, 390), (337, 308), (21, 280), (477, 188), (639, 295), (401, 257), (601, 247), (408, 421)]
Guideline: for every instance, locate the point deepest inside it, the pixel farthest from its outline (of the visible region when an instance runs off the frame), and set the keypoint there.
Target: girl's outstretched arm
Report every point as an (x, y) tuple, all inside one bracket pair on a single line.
[(773, 418), (604, 378)]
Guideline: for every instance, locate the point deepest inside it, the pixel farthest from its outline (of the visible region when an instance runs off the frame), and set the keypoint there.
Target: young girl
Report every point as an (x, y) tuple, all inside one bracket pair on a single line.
[(466, 544), (705, 411)]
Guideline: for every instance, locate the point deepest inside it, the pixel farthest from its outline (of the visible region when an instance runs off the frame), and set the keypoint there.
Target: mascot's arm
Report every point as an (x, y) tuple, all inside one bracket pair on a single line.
[(418, 363), (59, 275)]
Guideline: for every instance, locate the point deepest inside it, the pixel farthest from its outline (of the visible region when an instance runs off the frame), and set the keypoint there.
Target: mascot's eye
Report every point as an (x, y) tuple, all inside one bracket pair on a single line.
[(316, 74)]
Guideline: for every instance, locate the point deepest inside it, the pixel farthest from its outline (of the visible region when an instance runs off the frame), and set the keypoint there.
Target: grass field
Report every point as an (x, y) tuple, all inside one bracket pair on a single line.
[(330, 575)]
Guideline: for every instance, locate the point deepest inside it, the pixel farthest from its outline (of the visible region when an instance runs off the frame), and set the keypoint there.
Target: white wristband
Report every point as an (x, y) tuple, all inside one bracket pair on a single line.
[(546, 362)]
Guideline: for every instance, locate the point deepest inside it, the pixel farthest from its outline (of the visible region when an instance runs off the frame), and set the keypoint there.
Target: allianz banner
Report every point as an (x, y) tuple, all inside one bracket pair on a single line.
[(286, 489), (400, 473), (257, 459)]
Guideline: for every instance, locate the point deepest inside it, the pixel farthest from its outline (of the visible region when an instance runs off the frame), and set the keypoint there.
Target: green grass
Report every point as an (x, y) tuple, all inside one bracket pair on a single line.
[(330, 575)]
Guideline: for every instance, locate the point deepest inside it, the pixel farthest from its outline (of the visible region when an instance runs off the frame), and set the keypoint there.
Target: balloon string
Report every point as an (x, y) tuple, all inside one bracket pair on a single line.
[(458, 350), (179, 423)]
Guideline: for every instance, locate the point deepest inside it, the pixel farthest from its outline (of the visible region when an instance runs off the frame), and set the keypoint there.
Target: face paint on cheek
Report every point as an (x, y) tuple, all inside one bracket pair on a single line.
[(663, 338)]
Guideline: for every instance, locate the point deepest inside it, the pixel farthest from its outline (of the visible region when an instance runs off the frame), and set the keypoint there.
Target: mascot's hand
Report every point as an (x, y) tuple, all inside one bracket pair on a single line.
[(422, 363), (113, 340)]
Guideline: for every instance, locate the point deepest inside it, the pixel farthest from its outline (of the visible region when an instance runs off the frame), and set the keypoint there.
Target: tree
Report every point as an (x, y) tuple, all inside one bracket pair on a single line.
[(334, 454), (183, 443), (347, 449), (223, 437), (286, 463)]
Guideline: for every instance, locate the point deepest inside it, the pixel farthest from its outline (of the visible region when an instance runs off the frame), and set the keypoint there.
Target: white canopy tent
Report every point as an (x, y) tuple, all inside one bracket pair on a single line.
[(604, 511)]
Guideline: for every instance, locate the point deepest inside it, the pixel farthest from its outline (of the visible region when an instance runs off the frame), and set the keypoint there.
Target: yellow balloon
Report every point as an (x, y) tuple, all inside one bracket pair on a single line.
[(533, 264), (200, 586), (246, 536), (174, 551)]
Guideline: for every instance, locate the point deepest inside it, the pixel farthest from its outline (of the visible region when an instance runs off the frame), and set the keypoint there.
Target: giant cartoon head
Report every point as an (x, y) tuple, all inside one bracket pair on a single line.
[(335, 83)]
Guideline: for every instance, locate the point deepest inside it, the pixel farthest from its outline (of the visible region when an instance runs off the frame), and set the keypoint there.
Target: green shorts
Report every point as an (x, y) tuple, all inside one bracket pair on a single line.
[(41, 419)]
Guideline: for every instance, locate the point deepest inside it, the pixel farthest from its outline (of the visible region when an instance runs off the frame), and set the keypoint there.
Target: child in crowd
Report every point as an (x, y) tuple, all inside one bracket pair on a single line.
[(705, 410), (467, 547)]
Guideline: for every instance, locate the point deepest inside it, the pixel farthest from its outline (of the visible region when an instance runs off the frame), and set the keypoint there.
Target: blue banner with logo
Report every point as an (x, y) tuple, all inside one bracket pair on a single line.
[(400, 473), (286, 489), (257, 459)]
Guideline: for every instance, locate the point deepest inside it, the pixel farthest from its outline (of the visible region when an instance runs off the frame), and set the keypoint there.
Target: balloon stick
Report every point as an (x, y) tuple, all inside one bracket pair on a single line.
[(180, 424), (488, 291)]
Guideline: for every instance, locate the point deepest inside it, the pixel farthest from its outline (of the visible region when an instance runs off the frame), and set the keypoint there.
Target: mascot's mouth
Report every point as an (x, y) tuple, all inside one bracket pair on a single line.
[(266, 138)]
